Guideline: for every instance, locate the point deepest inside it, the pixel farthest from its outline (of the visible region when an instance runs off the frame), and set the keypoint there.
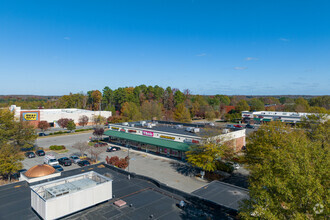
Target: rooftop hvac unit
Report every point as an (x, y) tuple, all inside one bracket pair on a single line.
[(195, 130), (132, 125), (189, 129), (178, 126), (125, 123), (149, 125), (142, 123)]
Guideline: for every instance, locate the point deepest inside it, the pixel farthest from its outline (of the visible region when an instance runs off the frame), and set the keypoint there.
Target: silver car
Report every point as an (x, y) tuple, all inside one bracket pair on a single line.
[(75, 159)]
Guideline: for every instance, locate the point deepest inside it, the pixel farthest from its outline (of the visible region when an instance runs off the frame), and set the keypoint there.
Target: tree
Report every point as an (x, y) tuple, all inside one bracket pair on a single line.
[(96, 100), (10, 160), (179, 97), (289, 174), (98, 132), (210, 114), (151, 109), (99, 120), (204, 156), (131, 111), (63, 122), (256, 105), (95, 152), (71, 125), (301, 105), (182, 114), (83, 120), (81, 146), (43, 125), (13, 136), (242, 105)]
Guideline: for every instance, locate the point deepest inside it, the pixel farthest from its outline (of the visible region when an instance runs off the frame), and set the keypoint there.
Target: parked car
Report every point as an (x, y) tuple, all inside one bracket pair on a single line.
[(50, 160), (58, 168), (75, 159), (65, 161), (30, 154), (238, 126), (101, 144), (112, 149), (40, 153), (83, 163), (236, 166), (18, 174), (249, 126), (42, 134), (230, 126)]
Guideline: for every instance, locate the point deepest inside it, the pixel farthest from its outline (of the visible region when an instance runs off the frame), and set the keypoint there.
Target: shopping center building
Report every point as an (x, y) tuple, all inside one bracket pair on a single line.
[(267, 116), (170, 138), (53, 115)]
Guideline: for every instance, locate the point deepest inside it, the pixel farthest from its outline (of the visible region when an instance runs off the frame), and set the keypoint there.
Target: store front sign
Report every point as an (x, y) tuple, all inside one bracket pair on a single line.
[(122, 130), (30, 116), (132, 131), (114, 128), (195, 141), (148, 133), (167, 137)]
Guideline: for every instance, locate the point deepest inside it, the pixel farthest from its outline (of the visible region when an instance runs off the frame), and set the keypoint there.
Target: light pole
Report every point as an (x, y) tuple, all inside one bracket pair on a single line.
[(129, 176)]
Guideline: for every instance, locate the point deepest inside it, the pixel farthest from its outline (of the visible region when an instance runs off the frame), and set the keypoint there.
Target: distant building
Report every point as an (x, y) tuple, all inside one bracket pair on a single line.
[(267, 116), (169, 138), (53, 115)]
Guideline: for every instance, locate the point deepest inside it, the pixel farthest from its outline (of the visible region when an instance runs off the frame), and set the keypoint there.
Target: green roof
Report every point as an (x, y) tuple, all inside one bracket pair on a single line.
[(149, 140)]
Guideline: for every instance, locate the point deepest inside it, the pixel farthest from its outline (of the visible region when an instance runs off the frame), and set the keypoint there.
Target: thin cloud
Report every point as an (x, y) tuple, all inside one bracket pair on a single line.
[(251, 58), (201, 55), (284, 39), (67, 38), (240, 68)]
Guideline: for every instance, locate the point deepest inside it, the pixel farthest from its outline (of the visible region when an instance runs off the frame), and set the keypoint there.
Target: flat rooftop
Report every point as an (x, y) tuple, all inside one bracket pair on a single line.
[(223, 193), (171, 127), (144, 200)]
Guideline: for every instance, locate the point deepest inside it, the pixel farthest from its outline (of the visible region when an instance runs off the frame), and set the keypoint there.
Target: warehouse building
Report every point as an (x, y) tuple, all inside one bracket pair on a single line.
[(53, 115), (170, 138)]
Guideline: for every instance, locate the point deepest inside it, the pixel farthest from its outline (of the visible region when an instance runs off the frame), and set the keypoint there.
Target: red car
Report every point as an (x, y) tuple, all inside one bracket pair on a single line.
[(238, 126)]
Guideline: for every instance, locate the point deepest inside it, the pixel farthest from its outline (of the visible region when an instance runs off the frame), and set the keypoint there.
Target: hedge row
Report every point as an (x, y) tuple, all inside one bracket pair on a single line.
[(57, 147)]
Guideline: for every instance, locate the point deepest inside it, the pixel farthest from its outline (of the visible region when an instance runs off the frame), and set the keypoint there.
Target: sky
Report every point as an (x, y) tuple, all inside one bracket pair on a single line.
[(232, 47)]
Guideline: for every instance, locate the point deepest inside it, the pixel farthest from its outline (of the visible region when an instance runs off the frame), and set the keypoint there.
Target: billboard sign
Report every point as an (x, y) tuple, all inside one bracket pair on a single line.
[(30, 116)]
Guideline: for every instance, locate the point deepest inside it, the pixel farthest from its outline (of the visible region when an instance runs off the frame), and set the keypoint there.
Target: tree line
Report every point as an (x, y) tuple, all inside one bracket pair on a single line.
[(148, 102)]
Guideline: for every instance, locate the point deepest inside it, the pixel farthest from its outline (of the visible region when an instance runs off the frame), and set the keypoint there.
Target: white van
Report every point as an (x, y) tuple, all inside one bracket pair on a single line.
[(50, 160)]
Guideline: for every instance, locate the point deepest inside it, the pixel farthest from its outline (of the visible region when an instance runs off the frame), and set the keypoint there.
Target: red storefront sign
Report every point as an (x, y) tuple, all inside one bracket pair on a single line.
[(132, 131), (148, 133), (122, 130), (195, 141)]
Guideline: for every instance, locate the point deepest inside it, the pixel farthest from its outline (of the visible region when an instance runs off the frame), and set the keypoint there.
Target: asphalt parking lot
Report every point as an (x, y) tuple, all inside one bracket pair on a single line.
[(171, 172)]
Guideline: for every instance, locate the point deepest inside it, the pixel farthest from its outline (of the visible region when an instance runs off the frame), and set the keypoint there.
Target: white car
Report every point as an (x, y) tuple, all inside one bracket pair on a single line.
[(74, 159), (50, 160)]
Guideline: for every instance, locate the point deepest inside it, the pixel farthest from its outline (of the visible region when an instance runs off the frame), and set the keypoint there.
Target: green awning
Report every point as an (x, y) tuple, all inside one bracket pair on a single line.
[(256, 119), (149, 140), (266, 119)]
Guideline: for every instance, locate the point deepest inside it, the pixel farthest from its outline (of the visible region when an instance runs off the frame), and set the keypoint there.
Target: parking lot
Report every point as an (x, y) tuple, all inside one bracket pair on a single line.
[(171, 172)]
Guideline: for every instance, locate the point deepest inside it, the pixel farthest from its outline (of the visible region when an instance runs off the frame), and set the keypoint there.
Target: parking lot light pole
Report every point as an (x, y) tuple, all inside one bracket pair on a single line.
[(129, 176)]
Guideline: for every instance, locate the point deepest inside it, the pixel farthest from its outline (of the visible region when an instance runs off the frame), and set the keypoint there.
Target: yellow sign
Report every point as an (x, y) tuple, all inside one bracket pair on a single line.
[(30, 116), (167, 137), (114, 128)]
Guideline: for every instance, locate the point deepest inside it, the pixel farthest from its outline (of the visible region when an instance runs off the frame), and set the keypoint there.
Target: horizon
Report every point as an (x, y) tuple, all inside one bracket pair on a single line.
[(211, 47)]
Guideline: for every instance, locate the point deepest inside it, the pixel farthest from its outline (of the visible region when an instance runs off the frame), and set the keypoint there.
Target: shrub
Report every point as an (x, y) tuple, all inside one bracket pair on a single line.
[(57, 147), (115, 161)]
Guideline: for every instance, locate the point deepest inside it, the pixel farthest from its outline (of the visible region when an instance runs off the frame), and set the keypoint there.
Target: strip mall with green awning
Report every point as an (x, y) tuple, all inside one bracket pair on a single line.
[(148, 144)]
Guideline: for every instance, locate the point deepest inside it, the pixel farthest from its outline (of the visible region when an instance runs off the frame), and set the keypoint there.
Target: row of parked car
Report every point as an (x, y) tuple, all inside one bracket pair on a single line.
[(240, 126)]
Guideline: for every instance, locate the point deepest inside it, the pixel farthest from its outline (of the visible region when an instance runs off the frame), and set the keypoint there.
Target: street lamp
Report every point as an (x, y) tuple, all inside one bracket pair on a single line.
[(129, 176)]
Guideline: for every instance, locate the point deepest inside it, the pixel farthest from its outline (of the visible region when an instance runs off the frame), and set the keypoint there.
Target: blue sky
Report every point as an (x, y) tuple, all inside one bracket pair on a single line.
[(229, 47)]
